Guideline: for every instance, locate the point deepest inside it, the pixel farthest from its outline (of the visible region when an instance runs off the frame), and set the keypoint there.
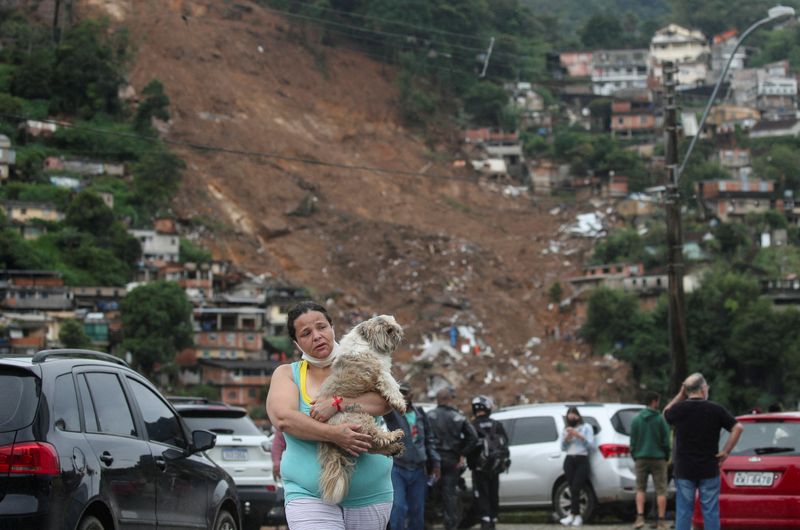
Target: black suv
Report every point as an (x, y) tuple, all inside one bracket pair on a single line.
[(87, 443), (244, 451)]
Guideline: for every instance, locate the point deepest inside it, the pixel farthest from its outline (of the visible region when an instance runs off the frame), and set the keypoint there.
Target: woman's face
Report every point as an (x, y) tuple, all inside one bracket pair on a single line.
[(314, 334), (573, 417)]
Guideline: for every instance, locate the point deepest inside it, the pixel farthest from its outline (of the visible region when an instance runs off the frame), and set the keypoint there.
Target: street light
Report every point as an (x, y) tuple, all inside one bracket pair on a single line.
[(677, 307)]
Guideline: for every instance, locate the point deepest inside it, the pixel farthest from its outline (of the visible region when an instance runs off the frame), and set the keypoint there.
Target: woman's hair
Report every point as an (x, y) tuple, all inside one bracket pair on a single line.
[(301, 308), (574, 410)]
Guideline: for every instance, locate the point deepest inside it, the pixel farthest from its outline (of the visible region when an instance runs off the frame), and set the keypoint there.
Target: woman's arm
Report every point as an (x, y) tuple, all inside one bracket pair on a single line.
[(372, 403), (283, 412)]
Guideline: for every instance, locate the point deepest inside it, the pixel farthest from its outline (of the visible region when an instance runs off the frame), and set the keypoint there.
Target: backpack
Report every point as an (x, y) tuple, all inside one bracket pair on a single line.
[(493, 454)]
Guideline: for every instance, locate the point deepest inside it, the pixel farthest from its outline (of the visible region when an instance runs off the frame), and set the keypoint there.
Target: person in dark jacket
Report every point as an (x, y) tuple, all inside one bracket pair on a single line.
[(411, 468), (457, 439), (650, 451), (491, 459), (697, 455)]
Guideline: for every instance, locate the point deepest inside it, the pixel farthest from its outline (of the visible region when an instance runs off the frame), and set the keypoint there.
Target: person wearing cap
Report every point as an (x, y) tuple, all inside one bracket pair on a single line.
[(412, 469), (491, 459), (457, 439)]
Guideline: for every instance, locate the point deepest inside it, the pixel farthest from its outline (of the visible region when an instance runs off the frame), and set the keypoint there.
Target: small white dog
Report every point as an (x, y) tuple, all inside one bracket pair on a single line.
[(362, 365)]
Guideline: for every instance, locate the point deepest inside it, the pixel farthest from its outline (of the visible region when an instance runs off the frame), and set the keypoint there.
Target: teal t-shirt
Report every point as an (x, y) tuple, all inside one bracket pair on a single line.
[(371, 482)]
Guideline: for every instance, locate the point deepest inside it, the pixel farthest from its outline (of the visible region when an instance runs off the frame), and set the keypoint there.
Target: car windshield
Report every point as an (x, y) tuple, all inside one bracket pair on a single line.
[(19, 397), (767, 438), (239, 426)]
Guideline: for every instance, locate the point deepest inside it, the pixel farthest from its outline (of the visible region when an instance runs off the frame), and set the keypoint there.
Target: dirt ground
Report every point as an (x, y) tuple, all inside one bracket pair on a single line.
[(437, 250)]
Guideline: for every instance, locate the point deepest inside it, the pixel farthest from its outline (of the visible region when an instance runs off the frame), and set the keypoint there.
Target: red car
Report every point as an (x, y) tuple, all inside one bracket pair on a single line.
[(761, 478)]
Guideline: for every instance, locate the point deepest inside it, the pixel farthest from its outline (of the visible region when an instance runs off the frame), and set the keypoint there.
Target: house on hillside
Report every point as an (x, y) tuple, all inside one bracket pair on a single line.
[(30, 218), (98, 298), (577, 63), (724, 118), (23, 333), (722, 46), (774, 129), (736, 161), (38, 128), (157, 247), (771, 89), (617, 70), (241, 383), (33, 290), (548, 176), (229, 332), (278, 299), (729, 199), (687, 49), (83, 167), (8, 157), (633, 120)]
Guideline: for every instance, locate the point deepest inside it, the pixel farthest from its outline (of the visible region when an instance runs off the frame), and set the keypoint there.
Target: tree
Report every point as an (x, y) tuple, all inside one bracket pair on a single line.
[(72, 335), (156, 177), (485, 103), (156, 318), (88, 213), (555, 293), (85, 77), (155, 105), (602, 31), (611, 319)]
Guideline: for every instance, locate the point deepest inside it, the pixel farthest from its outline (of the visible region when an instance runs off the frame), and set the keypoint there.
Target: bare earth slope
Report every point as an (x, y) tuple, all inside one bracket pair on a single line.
[(430, 250)]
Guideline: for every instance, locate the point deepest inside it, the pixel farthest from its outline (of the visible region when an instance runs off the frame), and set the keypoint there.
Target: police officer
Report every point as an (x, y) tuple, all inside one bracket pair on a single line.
[(491, 459), (457, 439)]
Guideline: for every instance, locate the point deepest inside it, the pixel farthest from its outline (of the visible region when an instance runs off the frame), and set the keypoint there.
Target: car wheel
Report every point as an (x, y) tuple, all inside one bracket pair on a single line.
[(225, 521), (562, 501), (90, 522)]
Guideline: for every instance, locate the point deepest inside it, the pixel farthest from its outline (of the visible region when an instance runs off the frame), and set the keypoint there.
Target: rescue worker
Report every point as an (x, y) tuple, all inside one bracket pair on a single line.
[(491, 459)]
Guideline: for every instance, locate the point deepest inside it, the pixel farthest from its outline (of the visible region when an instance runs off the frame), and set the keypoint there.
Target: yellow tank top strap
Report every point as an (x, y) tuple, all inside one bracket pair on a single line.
[(303, 374)]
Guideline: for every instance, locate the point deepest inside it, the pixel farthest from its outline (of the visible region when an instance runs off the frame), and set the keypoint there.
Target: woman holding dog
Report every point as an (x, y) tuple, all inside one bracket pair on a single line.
[(294, 407)]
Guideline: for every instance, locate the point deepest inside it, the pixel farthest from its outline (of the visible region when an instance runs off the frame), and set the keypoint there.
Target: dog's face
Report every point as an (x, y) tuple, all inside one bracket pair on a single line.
[(382, 333)]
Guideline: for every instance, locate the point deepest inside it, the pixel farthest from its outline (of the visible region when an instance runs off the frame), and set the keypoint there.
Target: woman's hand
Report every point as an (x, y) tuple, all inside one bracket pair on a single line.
[(349, 438), (323, 408)]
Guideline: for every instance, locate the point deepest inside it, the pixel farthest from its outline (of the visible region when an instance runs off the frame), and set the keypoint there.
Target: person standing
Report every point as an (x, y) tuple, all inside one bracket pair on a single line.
[(491, 459), (697, 457), (577, 440), (296, 408), (457, 439), (650, 451), (410, 471)]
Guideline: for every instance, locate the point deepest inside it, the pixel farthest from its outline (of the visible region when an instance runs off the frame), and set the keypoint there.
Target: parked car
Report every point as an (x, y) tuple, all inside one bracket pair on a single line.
[(760, 480), (243, 450), (536, 476), (87, 443)]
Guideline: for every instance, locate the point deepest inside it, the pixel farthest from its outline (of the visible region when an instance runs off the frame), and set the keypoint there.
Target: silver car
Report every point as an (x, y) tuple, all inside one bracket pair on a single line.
[(536, 476)]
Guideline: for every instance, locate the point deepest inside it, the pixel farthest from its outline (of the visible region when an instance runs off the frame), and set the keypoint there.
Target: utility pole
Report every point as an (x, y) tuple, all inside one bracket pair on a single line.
[(672, 203), (488, 55)]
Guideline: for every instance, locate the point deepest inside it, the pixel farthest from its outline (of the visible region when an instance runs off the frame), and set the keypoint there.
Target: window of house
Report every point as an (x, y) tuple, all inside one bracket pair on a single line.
[(67, 417), (251, 392), (161, 424), (112, 410), (232, 394)]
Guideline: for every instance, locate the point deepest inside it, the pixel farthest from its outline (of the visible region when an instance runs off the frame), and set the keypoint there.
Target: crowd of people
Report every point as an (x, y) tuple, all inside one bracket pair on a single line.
[(390, 492)]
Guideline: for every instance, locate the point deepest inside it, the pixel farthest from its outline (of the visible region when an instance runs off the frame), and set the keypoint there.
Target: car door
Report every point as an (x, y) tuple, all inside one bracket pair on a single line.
[(126, 470), (536, 461), (182, 479)]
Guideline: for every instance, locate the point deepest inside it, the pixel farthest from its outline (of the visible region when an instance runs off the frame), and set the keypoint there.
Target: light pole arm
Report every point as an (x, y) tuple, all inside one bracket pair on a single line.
[(749, 30)]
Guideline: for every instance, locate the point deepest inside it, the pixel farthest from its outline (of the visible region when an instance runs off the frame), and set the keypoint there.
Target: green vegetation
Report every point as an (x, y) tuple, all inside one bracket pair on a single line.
[(157, 322), (72, 335), (78, 79)]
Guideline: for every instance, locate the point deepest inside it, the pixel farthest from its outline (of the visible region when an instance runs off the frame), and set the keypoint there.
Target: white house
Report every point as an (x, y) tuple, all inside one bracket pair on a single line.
[(687, 48), (156, 246)]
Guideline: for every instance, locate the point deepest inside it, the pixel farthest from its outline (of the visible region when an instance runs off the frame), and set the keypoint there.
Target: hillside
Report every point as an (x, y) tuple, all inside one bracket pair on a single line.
[(432, 250)]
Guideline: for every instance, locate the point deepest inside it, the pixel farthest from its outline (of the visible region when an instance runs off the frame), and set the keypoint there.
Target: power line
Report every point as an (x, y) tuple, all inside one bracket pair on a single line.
[(395, 22), (244, 152)]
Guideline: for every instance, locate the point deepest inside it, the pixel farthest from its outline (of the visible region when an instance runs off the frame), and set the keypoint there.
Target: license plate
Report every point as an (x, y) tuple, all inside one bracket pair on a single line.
[(753, 478), (234, 454)]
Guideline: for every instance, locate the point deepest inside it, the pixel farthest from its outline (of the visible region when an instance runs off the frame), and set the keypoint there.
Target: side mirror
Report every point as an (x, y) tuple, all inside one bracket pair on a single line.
[(203, 440)]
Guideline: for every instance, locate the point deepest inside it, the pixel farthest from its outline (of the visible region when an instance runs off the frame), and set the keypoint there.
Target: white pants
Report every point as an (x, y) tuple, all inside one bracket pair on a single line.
[(313, 514)]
